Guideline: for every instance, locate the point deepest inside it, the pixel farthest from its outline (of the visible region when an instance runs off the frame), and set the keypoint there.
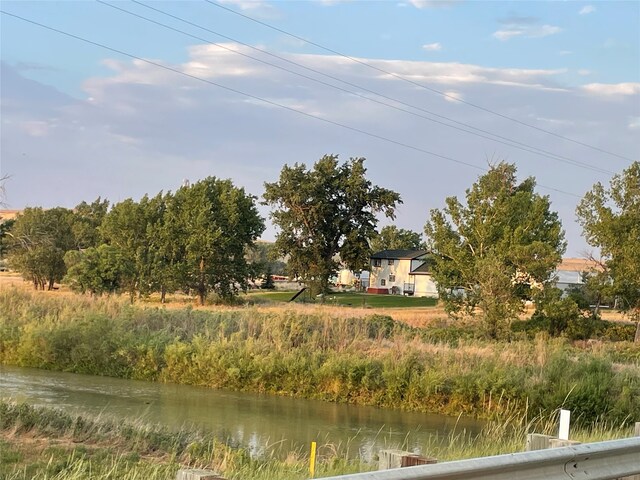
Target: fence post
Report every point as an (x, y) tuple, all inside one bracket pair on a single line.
[(197, 474)]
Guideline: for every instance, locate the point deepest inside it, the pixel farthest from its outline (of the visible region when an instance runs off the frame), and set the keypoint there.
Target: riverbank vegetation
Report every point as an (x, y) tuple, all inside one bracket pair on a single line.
[(369, 360), (43, 443)]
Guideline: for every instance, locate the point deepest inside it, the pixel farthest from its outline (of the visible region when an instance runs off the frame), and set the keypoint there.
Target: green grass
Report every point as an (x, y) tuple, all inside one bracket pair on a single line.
[(348, 299), (339, 355), (43, 443)]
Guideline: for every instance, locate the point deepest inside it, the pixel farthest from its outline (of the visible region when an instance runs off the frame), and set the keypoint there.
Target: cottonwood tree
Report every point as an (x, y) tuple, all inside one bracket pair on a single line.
[(39, 240), (394, 238), (496, 249), (610, 219), (213, 223), (87, 218), (325, 212)]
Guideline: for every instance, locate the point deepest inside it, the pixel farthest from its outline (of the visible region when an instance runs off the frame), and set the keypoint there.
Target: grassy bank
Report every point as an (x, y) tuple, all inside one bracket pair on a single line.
[(345, 299), (41, 443), (369, 360)]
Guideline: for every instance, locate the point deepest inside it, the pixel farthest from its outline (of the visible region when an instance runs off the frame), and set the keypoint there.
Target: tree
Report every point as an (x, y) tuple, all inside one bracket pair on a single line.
[(213, 223), (394, 238), (498, 249), (87, 218), (324, 212), (610, 219), (104, 269), (40, 239)]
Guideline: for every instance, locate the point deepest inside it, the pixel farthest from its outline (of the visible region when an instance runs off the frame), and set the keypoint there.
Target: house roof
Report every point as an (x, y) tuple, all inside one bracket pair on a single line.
[(399, 254), (424, 269)]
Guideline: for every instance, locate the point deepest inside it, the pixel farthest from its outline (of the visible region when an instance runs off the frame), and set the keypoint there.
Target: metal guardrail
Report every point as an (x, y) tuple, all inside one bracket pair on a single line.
[(590, 461)]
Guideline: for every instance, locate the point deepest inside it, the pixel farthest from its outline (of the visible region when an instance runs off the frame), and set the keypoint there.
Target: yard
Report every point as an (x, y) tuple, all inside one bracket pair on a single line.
[(347, 299)]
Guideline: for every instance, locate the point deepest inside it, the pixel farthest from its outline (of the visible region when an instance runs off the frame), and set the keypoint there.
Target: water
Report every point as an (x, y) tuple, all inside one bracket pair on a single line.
[(262, 423)]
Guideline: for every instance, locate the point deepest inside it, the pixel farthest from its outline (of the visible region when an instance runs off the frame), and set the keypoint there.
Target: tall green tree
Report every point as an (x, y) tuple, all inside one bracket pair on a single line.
[(394, 238), (39, 240), (496, 249), (87, 218), (213, 222), (104, 269), (326, 212), (610, 219)]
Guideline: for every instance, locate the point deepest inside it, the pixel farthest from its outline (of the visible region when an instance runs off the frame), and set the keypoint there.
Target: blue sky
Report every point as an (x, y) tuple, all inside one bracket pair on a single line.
[(79, 121)]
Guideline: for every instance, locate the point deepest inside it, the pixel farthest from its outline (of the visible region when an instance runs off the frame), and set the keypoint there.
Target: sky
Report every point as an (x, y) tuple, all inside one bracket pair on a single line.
[(430, 92)]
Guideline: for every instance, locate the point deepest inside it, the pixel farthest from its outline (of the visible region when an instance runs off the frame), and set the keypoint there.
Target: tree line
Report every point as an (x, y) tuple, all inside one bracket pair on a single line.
[(193, 240), (490, 251)]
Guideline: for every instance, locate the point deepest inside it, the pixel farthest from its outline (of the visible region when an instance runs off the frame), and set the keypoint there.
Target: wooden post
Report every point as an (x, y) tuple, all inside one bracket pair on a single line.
[(537, 441), (393, 458), (197, 474), (558, 442)]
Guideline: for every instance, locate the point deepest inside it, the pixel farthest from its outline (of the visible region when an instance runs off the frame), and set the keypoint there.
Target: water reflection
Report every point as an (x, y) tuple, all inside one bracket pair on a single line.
[(260, 422)]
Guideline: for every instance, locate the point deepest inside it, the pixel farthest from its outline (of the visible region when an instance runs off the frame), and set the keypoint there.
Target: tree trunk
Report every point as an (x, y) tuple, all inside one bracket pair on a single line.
[(163, 294), (201, 286), (50, 287), (637, 337)]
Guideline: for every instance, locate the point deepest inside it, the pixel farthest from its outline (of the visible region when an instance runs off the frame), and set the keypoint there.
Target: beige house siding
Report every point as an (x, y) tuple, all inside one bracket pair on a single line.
[(400, 269), (425, 286)]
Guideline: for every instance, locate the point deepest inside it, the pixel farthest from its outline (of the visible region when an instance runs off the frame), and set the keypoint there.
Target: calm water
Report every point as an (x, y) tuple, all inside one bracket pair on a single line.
[(259, 422)]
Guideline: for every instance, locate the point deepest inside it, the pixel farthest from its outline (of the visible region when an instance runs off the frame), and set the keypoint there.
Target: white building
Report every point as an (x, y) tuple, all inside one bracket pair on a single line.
[(402, 272)]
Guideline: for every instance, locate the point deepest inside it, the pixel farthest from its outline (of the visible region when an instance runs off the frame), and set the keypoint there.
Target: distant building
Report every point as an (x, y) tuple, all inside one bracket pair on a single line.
[(569, 272), (402, 272)]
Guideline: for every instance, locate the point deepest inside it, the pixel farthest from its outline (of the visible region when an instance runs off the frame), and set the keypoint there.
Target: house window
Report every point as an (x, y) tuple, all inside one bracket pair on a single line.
[(383, 282), (392, 278), (391, 261), (377, 262)]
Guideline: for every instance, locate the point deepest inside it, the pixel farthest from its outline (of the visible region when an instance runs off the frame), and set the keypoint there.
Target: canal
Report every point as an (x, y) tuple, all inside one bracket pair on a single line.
[(265, 424)]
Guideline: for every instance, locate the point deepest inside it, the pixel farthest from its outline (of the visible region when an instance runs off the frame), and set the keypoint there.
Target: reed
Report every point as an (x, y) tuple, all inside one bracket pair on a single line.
[(371, 359)]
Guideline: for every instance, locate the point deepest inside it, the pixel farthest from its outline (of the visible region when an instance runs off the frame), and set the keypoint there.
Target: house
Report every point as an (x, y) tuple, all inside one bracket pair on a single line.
[(402, 272), (569, 272)]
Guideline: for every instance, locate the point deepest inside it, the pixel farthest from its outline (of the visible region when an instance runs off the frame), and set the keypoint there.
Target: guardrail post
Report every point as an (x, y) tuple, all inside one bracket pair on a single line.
[(393, 458), (537, 441), (197, 474), (558, 442)]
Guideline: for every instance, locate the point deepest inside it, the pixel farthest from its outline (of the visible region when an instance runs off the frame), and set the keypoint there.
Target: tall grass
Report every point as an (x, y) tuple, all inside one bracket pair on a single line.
[(42, 443), (369, 360)]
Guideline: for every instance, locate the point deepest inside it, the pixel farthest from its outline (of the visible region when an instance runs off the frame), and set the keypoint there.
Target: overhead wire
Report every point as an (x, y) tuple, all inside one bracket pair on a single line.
[(498, 138), (418, 84), (264, 100)]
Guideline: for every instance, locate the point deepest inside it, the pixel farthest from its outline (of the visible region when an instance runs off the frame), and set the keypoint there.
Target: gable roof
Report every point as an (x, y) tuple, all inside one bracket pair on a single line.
[(399, 254)]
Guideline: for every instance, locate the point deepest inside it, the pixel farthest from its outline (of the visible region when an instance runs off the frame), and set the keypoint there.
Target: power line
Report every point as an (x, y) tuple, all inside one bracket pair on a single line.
[(418, 84), (507, 141), (264, 100)]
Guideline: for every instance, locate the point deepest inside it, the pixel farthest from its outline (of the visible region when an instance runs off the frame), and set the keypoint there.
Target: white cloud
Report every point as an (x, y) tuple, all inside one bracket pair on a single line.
[(565, 52), (524, 30), (612, 89), (453, 95), (432, 3), (634, 123), (247, 4), (147, 129), (432, 47), (587, 9), (584, 72), (35, 128)]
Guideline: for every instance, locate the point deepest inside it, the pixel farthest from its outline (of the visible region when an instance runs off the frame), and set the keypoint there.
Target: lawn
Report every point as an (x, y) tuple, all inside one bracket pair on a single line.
[(348, 299)]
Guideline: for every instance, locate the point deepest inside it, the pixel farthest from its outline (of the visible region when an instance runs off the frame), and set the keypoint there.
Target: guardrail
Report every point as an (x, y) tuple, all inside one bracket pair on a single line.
[(593, 461)]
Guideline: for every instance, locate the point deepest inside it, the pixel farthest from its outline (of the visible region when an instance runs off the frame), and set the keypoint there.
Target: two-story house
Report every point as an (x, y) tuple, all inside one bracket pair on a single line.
[(402, 272)]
